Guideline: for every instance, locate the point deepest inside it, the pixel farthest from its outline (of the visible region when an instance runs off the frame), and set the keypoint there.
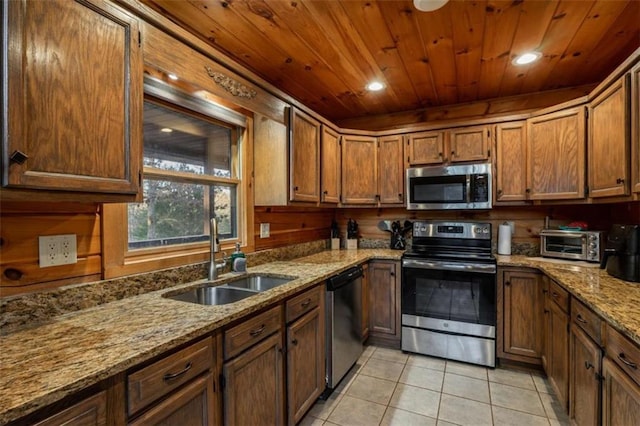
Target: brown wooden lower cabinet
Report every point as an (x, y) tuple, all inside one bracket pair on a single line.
[(192, 405), (557, 349), (620, 396), (584, 376), (521, 303), (254, 387), (305, 363), (365, 302), (384, 302), (89, 412)]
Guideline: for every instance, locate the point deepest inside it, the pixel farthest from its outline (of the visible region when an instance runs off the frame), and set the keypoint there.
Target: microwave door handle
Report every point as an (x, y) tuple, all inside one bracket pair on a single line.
[(468, 185)]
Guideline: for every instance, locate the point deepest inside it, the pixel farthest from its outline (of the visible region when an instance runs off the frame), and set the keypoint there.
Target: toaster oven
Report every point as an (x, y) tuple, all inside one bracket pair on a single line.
[(574, 245)]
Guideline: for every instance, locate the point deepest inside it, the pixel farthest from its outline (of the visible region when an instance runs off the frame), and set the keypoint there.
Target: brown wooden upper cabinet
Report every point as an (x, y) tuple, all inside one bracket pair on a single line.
[(359, 170), (330, 166), (304, 157), (556, 155), (635, 129), (372, 170), (390, 170), (449, 146), (511, 161), (608, 151), (75, 122)]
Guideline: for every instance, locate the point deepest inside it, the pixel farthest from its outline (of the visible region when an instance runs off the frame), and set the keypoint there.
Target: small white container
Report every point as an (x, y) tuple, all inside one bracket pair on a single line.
[(352, 243), (335, 244)]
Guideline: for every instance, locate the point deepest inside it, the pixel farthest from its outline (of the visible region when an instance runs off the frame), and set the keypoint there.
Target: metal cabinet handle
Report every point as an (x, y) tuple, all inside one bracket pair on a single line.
[(623, 358), (619, 180), (400, 195), (555, 295), (588, 365), (305, 303), (499, 191), (580, 319), (171, 376), (18, 157), (507, 283), (295, 188), (546, 311), (257, 331), (439, 154), (294, 342)]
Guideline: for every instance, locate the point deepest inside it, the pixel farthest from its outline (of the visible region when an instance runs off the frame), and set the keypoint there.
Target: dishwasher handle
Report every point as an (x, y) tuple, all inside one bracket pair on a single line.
[(344, 278)]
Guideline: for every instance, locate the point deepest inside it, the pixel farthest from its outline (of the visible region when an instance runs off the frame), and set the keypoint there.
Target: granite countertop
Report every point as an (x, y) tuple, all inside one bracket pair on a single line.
[(615, 300), (43, 364)]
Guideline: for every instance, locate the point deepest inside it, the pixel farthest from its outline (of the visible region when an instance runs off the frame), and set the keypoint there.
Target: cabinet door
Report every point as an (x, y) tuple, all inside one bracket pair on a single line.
[(635, 128), (330, 161), (426, 148), (584, 386), (390, 170), (469, 143), (365, 302), (522, 320), (304, 157), (609, 141), (254, 386), (192, 405), (305, 363), (384, 301), (75, 122), (558, 352), (511, 161), (556, 155), (270, 162), (359, 170), (620, 396), (89, 412)]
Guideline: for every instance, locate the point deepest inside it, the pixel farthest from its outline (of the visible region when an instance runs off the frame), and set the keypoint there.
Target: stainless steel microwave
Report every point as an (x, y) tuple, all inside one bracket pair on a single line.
[(576, 245), (449, 187)]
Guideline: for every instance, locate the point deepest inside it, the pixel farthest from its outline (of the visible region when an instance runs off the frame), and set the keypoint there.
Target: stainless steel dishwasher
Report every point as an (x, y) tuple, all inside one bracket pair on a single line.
[(344, 324)]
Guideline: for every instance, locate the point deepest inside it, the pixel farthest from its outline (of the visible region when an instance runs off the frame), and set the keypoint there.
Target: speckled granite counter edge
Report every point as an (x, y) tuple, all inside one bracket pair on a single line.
[(87, 346)]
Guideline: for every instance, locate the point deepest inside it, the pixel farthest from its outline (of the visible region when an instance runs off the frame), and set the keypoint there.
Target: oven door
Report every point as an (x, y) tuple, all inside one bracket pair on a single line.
[(453, 297)]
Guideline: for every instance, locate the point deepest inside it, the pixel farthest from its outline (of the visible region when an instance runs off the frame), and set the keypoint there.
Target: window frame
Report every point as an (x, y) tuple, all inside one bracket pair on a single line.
[(119, 260)]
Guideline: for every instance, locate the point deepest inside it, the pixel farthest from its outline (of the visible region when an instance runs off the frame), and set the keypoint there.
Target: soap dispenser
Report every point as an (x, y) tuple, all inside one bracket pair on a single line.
[(238, 260)]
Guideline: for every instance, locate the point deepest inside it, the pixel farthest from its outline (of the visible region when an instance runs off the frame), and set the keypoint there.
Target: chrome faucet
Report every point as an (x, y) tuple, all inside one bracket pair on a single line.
[(215, 248)]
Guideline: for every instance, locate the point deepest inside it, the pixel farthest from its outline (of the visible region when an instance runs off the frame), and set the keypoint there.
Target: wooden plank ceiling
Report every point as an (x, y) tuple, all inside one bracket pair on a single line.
[(324, 52)]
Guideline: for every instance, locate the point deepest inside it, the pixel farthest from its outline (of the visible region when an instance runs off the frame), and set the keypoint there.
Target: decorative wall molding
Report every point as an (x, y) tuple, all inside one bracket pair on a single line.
[(230, 85)]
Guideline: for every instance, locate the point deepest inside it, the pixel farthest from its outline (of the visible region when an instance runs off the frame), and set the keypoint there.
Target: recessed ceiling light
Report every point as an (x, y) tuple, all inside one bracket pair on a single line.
[(173, 76), (166, 130), (526, 58), (374, 86)]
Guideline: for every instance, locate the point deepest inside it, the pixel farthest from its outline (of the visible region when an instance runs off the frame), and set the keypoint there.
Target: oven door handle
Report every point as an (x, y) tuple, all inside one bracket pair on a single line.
[(449, 266)]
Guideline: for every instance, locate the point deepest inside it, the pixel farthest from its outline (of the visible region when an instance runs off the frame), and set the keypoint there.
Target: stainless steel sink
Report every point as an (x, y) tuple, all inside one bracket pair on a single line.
[(258, 282), (212, 295), (238, 289)]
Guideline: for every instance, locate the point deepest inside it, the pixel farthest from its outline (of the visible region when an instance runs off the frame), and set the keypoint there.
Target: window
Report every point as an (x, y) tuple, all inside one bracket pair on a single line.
[(191, 173)]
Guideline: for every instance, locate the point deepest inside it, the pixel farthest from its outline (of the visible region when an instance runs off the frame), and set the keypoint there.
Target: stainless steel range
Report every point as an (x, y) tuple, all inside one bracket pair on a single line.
[(449, 292)]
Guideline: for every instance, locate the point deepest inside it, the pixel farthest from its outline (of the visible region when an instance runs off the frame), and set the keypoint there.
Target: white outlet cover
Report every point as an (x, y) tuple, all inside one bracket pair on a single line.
[(264, 230), (57, 250)]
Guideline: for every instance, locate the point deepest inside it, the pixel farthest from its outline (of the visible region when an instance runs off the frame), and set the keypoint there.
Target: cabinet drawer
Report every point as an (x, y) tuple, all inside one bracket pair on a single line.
[(587, 320), (156, 380), (559, 295), (303, 303), (623, 352), (251, 331)]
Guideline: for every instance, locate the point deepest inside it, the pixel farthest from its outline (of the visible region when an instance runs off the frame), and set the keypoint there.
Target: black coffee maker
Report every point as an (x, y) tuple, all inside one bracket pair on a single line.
[(622, 253)]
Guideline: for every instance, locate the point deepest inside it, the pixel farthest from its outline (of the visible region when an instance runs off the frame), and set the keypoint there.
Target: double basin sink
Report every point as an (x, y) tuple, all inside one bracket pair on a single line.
[(233, 291)]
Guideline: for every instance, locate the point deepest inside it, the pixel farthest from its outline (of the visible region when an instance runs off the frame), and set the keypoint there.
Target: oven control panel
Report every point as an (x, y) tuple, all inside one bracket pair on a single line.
[(466, 230)]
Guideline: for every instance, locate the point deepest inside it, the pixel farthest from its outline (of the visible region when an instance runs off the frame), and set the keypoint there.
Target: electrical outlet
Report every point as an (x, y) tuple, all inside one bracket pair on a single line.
[(57, 250), (264, 230)]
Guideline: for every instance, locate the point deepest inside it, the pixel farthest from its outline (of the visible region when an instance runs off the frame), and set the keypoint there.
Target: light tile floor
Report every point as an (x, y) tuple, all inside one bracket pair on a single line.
[(387, 387)]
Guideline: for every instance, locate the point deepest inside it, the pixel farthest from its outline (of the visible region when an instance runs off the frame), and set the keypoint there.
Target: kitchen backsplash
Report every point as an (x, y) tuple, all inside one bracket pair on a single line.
[(35, 308)]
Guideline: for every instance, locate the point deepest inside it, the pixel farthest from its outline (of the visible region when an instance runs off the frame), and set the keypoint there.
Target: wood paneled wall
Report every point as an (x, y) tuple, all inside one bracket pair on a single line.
[(292, 225), (529, 220), (20, 226)]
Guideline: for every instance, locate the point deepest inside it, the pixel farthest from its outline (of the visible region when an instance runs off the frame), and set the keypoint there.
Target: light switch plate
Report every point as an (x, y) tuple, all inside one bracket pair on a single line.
[(57, 250), (264, 230)]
